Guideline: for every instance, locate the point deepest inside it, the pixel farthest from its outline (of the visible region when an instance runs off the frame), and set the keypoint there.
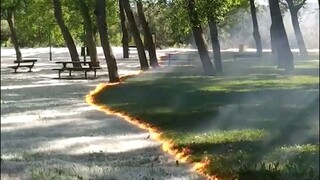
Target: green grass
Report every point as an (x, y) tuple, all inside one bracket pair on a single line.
[(253, 121)]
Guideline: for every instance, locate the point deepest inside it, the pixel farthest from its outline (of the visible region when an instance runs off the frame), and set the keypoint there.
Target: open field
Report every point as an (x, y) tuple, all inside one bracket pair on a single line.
[(253, 121)]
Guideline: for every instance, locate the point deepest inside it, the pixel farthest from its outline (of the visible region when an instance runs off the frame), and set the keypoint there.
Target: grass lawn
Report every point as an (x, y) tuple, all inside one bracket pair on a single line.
[(252, 122)]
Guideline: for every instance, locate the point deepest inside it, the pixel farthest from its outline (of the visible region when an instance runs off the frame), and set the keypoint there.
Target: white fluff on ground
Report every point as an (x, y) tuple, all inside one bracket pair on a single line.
[(49, 132)]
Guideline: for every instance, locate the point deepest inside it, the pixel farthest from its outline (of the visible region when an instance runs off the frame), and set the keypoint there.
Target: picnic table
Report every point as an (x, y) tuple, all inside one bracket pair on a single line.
[(28, 63), (131, 46), (88, 67), (246, 56)]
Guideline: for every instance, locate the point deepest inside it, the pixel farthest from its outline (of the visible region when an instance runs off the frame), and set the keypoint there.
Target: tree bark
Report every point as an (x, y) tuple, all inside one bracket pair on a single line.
[(148, 36), (299, 37), (215, 45), (296, 27), (125, 34), (90, 41), (256, 33), (207, 66), (273, 43), (284, 54), (105, 43), (65, 32), (14, 38), (136, 36)]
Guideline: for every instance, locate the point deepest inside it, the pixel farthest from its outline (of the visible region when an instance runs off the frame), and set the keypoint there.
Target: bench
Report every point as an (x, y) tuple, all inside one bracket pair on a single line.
[(83, 69), (23, 63), (245, 56), (131, 47), (178, 58)]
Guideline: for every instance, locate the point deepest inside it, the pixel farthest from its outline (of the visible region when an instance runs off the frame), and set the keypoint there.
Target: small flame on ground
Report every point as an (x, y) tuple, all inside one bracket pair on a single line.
[(183, 155)]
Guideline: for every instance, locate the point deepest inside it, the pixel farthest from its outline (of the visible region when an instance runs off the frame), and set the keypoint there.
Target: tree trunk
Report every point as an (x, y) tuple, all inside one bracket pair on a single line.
[(285, 58), (104, 38), (296, 27), (273, 44), (215, 45), (256, 33), (14, 37), (148, 36), (136, 36), (90, 41), (65, 32), (207, 66), (125, 34), (299, 37)]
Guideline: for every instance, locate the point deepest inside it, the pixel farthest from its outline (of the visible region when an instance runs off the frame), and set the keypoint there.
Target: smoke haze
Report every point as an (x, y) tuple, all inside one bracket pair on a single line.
[(241, 31)]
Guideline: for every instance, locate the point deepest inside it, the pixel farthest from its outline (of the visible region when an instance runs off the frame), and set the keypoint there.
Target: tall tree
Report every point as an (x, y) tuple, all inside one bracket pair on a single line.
[(256, 33), (14, 38), (207, 66), (136, 36), (215, 44), (124, 30), (147, 36), (65, 32), (284, 54), (100, 11), (90, 40), (8, 10), (215, 12), (273, 41), (294, 9)]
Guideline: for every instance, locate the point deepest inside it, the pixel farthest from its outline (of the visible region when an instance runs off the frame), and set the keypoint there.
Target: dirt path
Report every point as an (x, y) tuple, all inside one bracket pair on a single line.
[(48, 131)]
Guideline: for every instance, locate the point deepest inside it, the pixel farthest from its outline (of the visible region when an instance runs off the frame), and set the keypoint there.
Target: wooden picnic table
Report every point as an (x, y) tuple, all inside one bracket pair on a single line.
[(64, 63), (246, 56), (70, 69)]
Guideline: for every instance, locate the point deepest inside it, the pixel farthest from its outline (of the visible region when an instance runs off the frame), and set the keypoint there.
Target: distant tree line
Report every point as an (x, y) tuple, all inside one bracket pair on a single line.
[(123, 22)]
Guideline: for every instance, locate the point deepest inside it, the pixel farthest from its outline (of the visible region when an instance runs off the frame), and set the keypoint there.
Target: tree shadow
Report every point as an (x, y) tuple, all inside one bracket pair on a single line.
[(146, 162)]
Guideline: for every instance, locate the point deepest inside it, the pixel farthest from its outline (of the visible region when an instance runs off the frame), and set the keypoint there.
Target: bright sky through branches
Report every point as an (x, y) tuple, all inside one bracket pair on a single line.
[(265, 2)]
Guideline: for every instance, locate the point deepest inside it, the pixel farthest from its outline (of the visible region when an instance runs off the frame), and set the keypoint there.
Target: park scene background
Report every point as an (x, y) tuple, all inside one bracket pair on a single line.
[(184, 90)]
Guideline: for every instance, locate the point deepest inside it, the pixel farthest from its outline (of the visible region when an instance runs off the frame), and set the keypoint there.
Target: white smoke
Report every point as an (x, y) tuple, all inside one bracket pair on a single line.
[(241, 31)]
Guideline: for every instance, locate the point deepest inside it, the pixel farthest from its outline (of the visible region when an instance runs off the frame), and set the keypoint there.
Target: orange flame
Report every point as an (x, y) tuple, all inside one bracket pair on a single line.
[(183, 156)]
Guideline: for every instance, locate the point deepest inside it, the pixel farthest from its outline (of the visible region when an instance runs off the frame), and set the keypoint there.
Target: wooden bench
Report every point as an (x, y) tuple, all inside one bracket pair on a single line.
[(29, 63), (245, 56), (131, 47), (83, 69)]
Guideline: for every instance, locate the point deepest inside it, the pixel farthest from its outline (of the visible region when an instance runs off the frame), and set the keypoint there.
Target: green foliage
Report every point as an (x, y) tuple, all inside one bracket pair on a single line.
[(33, 18), (168, 19), (113, 21), (32, 23), (174, 20), (218, 9), (5, 31), (15, 5)]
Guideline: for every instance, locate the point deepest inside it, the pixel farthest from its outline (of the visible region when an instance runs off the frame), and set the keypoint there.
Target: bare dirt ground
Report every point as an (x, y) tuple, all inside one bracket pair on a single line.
[(49, 132)]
